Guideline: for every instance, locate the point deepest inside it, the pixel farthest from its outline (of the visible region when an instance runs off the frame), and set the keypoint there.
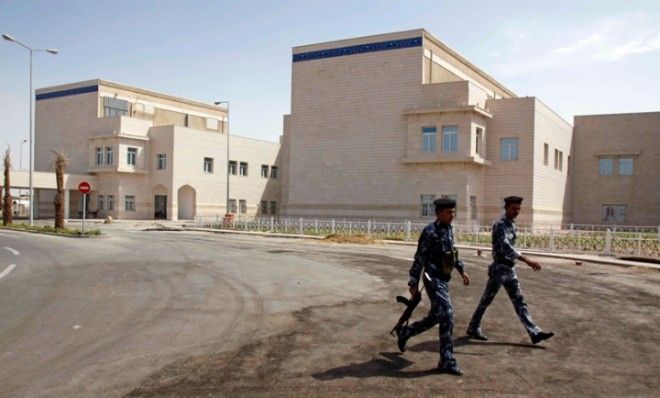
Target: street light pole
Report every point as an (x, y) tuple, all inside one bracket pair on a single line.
[(31, 50), (20, 166), (227, 133), (21, 155)]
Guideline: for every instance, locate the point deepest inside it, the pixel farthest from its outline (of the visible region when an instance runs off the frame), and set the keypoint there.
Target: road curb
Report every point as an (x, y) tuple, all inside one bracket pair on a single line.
[(266, 234), (566, 256)]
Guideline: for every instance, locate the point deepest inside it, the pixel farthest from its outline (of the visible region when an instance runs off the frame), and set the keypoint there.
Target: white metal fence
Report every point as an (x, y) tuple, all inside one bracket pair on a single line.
[(627, 240)]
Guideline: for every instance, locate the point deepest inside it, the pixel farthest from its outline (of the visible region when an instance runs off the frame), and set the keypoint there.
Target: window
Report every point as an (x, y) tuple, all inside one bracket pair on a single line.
[(479, 139), (162, 161), (243, 169), (625, 166), (208, 165), (232, 167), (264, 170), (428, 139), (101, 204), (473, 207), (129, 203), (556, 159), (546, 150), (242, 206), (131, 156), (186, 120), (232, 205), (264, 207), (273, 207), (114, 107), (614, 213), (606, 167), (561, 160), (449, 138), (568, 165), (427, 208), (109, 158), (111, 202), (99, 156), (273, 172), (508, 149), (211, 124)]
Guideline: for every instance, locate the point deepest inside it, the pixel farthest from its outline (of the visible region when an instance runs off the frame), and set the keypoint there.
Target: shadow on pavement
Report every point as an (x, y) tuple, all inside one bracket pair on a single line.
[(432, 345), (392, 364), (389, 364)]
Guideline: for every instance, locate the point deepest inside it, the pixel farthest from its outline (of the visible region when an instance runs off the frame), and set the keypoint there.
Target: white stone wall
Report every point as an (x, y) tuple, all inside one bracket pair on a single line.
[(614, 136), (551, 186), (186, 131), (353, 139)]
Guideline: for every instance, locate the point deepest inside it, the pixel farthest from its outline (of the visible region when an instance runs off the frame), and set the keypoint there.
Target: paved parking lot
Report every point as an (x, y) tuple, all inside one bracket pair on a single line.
[(181, 313)]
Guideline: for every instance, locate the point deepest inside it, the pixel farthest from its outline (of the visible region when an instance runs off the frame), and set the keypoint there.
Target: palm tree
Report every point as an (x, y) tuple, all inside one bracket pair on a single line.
[(7, 215), (60, 164)]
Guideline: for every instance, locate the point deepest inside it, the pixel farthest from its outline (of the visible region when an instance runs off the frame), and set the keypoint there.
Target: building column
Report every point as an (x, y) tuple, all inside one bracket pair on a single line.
[(66, 204), (172, 210)]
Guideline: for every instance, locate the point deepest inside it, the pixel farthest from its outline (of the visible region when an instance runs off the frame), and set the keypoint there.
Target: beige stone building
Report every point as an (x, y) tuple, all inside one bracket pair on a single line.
[(150, 155), (616, 161), (380, 126)]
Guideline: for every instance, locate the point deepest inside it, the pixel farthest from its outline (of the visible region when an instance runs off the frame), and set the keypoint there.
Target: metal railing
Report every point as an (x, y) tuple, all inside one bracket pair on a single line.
[(639, 241)]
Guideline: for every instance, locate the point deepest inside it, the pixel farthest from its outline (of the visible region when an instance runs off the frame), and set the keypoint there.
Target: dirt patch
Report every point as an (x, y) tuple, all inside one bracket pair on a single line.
[(606, 343)]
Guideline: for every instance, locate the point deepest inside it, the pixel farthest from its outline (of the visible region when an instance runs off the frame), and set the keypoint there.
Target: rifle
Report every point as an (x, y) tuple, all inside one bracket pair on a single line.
[(410, 304)]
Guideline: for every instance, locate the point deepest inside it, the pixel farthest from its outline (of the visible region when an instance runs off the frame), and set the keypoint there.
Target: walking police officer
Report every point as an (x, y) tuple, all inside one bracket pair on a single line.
[(502, 273), (436, 257)]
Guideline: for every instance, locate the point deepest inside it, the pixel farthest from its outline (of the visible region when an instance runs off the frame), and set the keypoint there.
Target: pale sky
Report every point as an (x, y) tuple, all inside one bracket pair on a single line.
[(578, 57)]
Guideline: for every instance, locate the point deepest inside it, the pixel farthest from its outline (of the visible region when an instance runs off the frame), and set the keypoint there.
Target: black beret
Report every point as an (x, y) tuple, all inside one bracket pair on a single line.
[(516, 200), (444, 204)]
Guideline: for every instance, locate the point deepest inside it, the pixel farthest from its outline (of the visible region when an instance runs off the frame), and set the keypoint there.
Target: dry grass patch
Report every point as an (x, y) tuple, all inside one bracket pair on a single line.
[(358, 239)]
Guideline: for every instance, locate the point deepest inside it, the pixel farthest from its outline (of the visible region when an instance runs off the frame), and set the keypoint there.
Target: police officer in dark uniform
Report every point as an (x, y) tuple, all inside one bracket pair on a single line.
[(502, 273), (435, 259)]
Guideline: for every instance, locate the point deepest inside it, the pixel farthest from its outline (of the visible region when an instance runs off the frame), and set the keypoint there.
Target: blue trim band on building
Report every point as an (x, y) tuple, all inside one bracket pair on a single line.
[(359, 49), (65, 93)]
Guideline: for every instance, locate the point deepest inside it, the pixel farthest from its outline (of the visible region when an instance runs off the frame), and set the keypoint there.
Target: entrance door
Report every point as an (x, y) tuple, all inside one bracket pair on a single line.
[(160, 212)]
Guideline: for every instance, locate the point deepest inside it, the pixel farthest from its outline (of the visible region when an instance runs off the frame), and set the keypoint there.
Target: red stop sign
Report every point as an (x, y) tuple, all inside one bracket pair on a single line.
[(84, 187)]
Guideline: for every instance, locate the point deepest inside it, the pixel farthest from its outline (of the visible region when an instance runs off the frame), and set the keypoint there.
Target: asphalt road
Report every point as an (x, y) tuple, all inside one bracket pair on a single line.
[(188, 313)]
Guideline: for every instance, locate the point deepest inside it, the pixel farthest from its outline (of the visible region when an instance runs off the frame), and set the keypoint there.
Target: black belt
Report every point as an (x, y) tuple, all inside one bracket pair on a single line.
[(433, 272)]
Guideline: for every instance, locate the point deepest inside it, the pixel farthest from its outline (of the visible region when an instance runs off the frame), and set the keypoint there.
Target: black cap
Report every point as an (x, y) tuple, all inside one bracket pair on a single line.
[(444, 204), (516, 200)]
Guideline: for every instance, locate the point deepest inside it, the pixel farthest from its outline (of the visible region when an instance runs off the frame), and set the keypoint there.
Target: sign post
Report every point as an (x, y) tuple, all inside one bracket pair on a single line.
[(84, 188)]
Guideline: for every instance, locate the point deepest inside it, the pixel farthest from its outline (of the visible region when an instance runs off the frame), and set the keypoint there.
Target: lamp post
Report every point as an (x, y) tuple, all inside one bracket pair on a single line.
[(20, 166), (31, 50), (218, 103), (21, 155)]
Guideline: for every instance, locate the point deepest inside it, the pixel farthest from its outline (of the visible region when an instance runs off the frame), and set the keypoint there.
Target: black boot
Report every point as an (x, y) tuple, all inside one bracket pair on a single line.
[(402, 335), (476, 334), (540, 336), (453, 370)]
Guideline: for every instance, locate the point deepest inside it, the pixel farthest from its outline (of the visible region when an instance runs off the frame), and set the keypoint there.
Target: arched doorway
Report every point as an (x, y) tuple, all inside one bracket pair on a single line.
[(160, 202), (186, 199)]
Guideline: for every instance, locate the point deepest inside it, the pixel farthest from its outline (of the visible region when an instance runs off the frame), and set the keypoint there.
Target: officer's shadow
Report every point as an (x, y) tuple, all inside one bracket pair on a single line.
[(432, 345), (392, 364), (388, 364)]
